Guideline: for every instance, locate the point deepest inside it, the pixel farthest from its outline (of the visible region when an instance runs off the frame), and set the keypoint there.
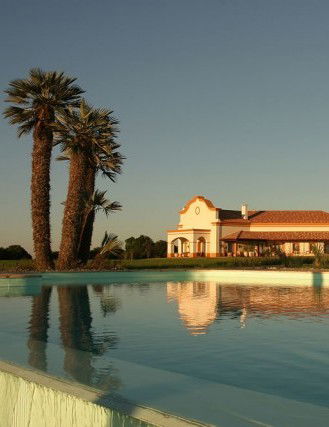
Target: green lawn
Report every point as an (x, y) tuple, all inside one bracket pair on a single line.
[(170, 263), (16, 265), (224, 262)]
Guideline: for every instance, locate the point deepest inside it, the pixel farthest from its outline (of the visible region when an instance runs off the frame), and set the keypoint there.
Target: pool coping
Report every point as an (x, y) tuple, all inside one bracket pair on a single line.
[(19, 275), (94, 396), (225, 276)]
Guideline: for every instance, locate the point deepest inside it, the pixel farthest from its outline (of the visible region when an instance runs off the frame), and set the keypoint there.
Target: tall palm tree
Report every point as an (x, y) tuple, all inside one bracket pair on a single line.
[(109, 164), (85, 134), (37, 99), (97, 203)]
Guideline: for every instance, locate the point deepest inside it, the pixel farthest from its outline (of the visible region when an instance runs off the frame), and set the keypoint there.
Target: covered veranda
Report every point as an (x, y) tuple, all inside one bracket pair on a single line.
[(189, 243), (250, 243)]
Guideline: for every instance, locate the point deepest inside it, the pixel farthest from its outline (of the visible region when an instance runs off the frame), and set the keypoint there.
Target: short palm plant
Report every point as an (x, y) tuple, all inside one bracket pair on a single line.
[(97, 203), (111, 245), (86, 135), (36, 102)]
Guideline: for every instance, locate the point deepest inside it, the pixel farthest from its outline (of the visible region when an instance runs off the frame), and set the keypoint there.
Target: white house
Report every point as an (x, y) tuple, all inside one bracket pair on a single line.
[(208, 231)]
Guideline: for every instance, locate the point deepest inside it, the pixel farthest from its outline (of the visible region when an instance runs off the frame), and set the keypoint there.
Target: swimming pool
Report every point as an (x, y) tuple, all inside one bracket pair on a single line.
[(219, 353)]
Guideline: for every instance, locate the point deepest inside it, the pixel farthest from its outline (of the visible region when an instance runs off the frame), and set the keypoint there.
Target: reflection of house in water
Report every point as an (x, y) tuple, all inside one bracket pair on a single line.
[(197, 303), (274, 301), (201, 303)]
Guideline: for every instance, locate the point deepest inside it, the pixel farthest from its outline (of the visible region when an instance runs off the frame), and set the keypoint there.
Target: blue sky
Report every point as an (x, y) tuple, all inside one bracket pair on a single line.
[(225, 98)]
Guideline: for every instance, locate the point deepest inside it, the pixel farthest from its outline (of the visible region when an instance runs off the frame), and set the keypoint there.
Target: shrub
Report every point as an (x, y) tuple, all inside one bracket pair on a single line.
[(297, 261), (318, 255), (14, 252), (323, 262)]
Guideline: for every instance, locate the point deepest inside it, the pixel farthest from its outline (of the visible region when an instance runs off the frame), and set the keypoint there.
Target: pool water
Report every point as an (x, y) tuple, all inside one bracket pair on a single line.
[(118, 336)]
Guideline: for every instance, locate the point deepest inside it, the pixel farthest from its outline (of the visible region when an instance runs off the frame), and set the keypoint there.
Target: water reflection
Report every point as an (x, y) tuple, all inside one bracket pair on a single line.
[(75, 326), (91, 319), (197, 303), (75, 323), (109, 303), (264, 301), (201, 303), (80, 345), (124, 336), (38, 329)]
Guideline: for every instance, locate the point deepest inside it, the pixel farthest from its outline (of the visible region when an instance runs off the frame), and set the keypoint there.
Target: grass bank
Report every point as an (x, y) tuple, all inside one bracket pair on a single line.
[(211, 263), (17, 266), (183, 263)]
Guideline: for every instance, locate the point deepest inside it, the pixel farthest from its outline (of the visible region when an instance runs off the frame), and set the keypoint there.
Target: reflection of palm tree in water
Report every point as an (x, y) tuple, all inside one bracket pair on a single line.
[(39, 324), (77, 338), (75, 324)]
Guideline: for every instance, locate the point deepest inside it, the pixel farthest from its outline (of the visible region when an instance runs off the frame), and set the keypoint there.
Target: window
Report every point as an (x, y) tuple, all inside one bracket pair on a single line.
[(295, 248)]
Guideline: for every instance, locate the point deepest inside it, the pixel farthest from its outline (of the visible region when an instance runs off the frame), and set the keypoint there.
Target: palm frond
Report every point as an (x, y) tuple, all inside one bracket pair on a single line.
[(62, 158), (111, 245), (41, 90), (26, 127), (92, 131), (100, 203)]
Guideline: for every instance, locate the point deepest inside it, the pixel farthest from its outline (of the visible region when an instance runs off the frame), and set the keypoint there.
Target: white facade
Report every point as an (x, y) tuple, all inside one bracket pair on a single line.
[(205, 230)]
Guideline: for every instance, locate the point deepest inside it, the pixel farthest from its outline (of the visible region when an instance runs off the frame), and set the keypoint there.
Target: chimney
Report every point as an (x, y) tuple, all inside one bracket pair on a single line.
[(244, 211)]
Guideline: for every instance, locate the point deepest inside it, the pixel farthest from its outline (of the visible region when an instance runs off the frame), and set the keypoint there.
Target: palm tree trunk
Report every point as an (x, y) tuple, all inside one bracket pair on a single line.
[(40, 194), (87, 237), (73, 212), (89, 218)]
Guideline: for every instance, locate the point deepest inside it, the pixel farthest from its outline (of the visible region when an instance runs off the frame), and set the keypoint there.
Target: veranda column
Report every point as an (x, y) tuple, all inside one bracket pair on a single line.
[(215, 235), (207, 248), (180, 247), (193, 248), (170, 247)]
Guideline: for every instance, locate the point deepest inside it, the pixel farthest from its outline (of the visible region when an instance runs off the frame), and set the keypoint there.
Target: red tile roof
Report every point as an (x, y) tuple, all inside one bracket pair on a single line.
[(276, 217), (282, 236), (319, 217)]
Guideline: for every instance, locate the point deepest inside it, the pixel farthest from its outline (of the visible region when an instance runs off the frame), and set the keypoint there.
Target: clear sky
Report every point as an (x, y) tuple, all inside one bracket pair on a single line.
[(224, 98)]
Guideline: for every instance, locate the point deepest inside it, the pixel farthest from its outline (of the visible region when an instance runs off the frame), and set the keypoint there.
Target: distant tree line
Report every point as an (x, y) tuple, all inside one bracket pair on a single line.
[(14, 252), (145, 247), (135, 248), (110, 248)]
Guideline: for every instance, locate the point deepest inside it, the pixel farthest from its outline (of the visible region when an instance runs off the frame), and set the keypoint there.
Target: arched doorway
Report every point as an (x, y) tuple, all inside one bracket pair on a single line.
[(180, 247), (201, 247)]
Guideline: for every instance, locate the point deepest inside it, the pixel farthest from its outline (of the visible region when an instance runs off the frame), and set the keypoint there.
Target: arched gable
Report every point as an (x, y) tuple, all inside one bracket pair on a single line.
[(209, 203), (198, 212)]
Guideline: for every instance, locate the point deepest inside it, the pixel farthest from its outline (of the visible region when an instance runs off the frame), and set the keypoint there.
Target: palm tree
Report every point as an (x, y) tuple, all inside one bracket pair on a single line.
[(111, 245), (97, 203), (86, 134), (109, 164), (37, 99)]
